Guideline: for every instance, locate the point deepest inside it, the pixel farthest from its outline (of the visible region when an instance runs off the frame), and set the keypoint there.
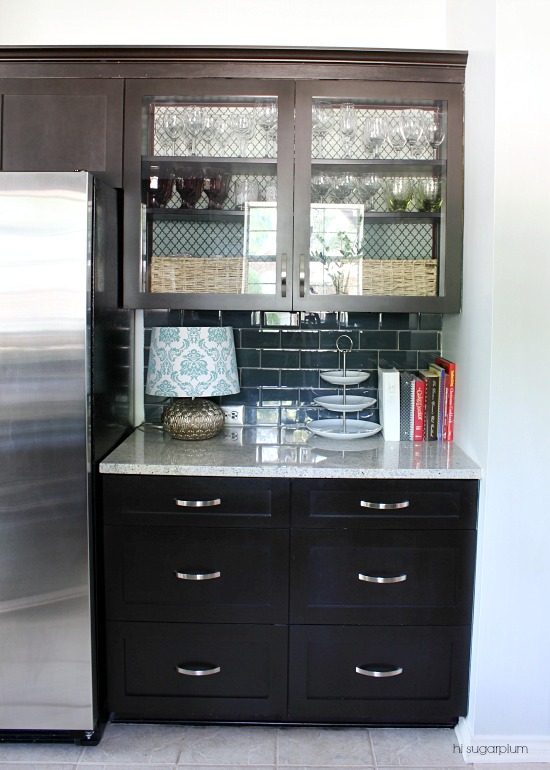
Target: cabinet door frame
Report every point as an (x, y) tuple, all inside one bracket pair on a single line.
[(450, 278), (135, 294)]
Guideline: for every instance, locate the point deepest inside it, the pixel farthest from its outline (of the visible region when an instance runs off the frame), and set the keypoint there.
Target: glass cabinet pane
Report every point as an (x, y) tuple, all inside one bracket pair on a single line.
[(376, 198), (209, 188)]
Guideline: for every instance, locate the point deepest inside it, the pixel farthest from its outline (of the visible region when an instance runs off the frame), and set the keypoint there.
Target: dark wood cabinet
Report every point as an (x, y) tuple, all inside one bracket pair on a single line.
[(208, 603), (63, 124)]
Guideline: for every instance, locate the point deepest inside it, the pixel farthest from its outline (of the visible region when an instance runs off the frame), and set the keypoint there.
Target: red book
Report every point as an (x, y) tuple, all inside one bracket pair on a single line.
[(450, 368), (431, 404), (418, 409)]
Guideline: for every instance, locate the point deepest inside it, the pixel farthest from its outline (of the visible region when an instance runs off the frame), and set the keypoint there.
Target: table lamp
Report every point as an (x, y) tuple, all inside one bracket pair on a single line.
[(190, 362)]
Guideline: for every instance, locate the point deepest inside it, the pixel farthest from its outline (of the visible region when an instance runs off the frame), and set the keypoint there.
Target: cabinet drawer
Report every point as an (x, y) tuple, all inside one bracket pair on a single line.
[(382, 576), (425, 671), (385, 504), (151, 666), (190, 501), (197, 574)]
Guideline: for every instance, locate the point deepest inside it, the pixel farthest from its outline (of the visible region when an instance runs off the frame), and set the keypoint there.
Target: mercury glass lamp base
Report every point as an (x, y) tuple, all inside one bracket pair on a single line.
[(192, 419)]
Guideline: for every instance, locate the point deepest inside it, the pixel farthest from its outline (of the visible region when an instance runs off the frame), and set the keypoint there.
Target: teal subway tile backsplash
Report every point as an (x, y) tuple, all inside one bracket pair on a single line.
[(280, 365)]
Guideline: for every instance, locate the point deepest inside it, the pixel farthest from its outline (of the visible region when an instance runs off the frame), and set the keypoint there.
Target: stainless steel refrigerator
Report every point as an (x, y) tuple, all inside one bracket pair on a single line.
[(65, 401)]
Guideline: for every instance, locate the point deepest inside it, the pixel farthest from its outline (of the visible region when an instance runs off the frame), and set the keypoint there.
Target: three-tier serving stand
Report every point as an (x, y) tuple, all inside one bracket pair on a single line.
[(344, 427)]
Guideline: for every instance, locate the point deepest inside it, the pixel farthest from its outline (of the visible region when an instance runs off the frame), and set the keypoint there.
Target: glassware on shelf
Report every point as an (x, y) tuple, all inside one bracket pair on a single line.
[(396, 138), (194, 125), (347, 127), (173, 126), (266, 118), (216, 186), (368, 185), (242, 125), (375, 132), (161, 187), (412, 129), (321, 185), (344, 187), (222, 133), (428, 194), (189, 185), (399, 192), (246, 190), (208, 131), (322, 120), (433, 129)]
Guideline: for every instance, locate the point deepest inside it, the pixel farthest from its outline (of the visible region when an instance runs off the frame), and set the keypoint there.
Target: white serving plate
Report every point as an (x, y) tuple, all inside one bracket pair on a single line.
[(353, 377), (335, 428), (353, 403)]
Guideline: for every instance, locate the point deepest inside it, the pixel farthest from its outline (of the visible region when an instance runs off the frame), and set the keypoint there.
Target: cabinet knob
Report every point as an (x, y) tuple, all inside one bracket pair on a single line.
[(197, 575), (379, 670), (380, 579), (197, 503), (197, 669), (385, 506)]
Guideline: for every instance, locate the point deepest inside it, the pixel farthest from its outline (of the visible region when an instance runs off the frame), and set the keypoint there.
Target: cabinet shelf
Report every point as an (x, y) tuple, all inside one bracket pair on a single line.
[(195, 215), (267, 166), (393, 167)]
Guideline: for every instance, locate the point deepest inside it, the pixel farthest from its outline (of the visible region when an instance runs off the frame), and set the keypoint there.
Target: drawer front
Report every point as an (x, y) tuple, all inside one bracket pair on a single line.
[(193, 574), (196, 672), (382, 576), (379, 675), (385, 503), (189, 501)]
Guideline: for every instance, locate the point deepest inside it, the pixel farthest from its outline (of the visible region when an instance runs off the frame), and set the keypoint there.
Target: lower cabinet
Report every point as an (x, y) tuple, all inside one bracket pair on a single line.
[(295, 601)]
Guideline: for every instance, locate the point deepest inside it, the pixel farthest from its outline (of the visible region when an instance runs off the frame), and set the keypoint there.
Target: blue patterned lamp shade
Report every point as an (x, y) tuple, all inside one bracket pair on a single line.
[(189, 362)]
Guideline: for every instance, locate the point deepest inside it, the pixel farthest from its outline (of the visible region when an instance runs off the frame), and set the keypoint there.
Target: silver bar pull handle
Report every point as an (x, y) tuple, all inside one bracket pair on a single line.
[(283, 274), (197, 575), (385, 506), (378, 670), (302, 275), (197, 503), (197, 669), (380, 579)]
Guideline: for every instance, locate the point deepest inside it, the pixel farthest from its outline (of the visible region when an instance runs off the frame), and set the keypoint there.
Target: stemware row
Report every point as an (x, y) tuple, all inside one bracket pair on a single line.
[(411, 130), (195, 122), (398, 191)]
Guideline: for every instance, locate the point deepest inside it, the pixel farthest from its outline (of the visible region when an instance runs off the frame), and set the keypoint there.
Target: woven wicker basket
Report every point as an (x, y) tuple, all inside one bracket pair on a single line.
[(403, 277), (194, 275)]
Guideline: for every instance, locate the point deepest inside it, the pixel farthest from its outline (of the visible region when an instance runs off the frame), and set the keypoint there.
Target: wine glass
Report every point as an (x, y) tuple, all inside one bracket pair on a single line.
[(412, 130), (194, 125), (242, 126), (216, 186), (173, 126), (348, 126), (344, 186), (222, 132), (396, 138), (375, 132), (208, 131), (321, 185), (322, 120), (368, 185), (189, 184), (433, 129), (266, 118)]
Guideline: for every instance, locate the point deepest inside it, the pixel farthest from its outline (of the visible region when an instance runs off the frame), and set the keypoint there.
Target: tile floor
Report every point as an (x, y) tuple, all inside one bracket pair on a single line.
[(179, 747)]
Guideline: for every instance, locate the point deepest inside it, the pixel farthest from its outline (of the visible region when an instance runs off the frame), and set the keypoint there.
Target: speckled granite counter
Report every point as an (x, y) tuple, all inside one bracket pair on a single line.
[(287, 452)]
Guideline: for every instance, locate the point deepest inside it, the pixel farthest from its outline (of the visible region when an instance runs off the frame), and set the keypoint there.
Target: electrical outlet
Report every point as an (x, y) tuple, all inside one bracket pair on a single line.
[(232, 435), (233, 415)]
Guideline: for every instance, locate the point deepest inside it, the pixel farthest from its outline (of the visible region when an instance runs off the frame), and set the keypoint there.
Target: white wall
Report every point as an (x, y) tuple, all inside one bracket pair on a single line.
[(502, 420), (301, 23), (503, 339)]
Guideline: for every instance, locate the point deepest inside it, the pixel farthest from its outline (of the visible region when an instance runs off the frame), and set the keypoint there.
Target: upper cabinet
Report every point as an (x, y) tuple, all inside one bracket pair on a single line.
[(286, 194), (62, 124)]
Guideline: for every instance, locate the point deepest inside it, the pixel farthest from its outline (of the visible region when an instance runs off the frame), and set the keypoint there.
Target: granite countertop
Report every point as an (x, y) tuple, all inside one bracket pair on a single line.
[(286, 452)]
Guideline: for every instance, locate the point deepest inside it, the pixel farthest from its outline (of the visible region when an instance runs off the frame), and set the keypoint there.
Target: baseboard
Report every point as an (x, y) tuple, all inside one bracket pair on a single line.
[(500, 749)]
